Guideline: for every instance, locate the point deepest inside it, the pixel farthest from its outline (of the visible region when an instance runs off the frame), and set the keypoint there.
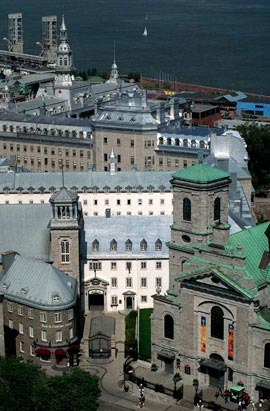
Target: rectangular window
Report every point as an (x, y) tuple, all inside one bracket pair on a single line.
[(128, 282), (106, 202), (20, 310), (158, 265), (31, 332), (57, 317), (129, 202), (20, 328), (67, 153), (30, 313), (118, 202), (162, 201), (118, 158), (169, 162), (43, 335), (43, 317), (31, 351), (131, 143), (38, 149), (118, 142), (74, 153), (185, 163), (45, 150), (114, 300), (139, 201), (70, 314), (70, 333), (58, 336), (143, 282), (18, 147), (176, 162), (59, 151), (81, 153), (113, 265), (158, 282), (143, 265), (144, 298), (10, 307), (65, 252), (10, 324), (97, 265), (128, 263), (114, 282), (105, 140), (52, 151), (21, 346), (132, 160), (150, 201), (105, 156)]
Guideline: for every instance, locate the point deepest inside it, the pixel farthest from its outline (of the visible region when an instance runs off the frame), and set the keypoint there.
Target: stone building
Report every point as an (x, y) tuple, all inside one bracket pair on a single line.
[(43, 144), (213, 324), (39, 309)]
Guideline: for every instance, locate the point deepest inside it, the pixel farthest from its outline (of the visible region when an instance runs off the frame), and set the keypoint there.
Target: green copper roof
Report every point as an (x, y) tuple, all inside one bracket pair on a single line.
[(200, 173), (254, 242)]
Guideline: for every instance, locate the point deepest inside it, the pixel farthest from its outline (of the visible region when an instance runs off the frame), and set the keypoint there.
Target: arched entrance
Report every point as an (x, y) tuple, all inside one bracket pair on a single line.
[(101, 330), (215, 367), (96, 300)]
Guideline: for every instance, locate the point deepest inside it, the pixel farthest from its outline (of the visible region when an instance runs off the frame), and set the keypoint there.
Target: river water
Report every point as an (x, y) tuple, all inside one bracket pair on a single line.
[(210, 42)]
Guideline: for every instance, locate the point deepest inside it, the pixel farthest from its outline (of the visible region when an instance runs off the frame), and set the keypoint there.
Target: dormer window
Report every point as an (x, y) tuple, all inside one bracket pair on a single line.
[(24, 291), (158, 245), (113, 245), (95, 245), (143, 245), (56, 297)]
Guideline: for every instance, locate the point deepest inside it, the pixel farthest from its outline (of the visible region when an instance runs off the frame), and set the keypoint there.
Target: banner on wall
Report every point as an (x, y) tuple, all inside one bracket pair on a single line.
[(230, 341), (203, 334)]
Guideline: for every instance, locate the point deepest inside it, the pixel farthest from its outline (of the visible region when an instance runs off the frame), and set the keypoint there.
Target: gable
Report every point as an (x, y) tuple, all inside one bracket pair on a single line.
[(215, 283)]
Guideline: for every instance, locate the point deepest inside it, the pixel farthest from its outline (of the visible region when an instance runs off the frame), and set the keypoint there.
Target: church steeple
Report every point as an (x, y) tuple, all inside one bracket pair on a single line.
[(114, 76), (64, 53)]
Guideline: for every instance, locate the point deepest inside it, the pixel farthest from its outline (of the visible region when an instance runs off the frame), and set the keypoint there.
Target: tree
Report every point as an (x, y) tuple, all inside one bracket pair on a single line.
[(257, 139), (74, 390), (24, 386)]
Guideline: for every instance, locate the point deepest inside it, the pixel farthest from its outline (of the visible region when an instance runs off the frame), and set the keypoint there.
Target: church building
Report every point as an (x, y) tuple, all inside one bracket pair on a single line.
[(213, 324)]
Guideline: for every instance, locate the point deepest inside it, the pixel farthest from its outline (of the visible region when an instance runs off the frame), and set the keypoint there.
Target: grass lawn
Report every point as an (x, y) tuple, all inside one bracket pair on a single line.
[(145, 334)]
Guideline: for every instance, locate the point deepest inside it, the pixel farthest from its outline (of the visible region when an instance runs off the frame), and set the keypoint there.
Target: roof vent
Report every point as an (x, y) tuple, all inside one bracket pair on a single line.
[(24, 291)]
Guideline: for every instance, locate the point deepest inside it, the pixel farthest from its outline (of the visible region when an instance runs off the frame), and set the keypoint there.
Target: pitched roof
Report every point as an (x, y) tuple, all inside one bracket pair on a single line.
[(200, 173), (38, 284), (24, 228), (255, 243)]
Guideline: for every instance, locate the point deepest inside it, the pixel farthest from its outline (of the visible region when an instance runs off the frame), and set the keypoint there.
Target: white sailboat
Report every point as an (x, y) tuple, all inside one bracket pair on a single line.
[(145, 31), (145, 28)]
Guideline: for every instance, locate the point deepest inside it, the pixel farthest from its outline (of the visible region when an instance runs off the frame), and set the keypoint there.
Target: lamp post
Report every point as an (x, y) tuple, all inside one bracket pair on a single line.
[(200, 405), (8, 43), (42, 48), (142, 397)]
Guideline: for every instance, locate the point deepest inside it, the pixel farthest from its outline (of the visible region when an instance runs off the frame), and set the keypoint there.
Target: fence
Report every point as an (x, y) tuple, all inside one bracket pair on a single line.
[(177, 393)]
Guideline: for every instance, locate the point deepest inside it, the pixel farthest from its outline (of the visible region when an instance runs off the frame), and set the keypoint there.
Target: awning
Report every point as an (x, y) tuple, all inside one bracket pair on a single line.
[(166, 356), (237, 388), (263, 384), (43, 351), (60, 352), (215, 364)]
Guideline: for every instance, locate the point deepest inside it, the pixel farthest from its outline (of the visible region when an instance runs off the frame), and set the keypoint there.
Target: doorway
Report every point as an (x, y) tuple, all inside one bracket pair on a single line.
[(96, 300), (129, 303)]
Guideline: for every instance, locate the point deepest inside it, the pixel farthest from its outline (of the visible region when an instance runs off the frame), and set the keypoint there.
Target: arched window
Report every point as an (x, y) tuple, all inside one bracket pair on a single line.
[(95, 245), (193, 143), (267, 355), (217, 323), (113, 245), (65, 251), (185, 142), (186, 209), (176, 142), (168, 327), (143, 245), (202, 144), (217, 209), (158, 245), (169, 141), (128, 245)]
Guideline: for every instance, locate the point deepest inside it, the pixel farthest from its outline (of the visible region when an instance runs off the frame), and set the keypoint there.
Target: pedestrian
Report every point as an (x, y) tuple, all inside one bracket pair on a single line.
[(217, 394), (226, 396), (240, 406)]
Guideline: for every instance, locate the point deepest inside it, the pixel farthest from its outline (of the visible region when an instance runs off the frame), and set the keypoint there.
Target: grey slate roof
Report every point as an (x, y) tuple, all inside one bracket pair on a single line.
[(36, 283), (24, 229), (51, 120), (87, 180), (122, 228)]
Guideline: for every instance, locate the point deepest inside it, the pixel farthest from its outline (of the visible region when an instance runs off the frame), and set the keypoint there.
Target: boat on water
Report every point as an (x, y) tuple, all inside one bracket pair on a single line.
[(145, 31)]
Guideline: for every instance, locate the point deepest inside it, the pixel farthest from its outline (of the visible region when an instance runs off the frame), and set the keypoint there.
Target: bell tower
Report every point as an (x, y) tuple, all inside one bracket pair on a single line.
[(65, 232), (200, 212)]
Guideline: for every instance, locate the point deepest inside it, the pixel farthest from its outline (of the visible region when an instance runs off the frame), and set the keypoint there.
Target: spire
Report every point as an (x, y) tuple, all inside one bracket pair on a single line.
[(64, 54), (112, 163), (114, 70), (63, 25)]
